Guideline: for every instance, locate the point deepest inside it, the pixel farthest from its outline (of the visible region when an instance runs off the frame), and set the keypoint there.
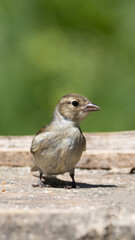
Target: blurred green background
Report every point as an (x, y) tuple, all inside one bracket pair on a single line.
[(51, 48)]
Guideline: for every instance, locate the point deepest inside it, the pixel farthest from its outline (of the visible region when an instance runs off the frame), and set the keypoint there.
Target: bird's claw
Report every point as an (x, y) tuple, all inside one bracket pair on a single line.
[(41, 184)]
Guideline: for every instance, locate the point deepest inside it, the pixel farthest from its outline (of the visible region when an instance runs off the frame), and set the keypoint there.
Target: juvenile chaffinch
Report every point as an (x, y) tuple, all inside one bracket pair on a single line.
[(57, 147)]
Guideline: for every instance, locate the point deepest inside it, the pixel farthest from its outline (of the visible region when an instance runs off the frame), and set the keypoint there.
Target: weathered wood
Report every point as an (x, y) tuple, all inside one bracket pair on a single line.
[(109, 150), (101, 208), (104, 150), (15, 151)]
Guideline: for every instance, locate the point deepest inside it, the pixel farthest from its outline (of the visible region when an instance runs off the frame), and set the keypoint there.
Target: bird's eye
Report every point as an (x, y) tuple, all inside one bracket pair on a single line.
[(75, 103)]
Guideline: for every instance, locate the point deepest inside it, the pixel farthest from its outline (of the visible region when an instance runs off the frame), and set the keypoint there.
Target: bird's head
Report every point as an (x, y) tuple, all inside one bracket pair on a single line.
[(75, 107)]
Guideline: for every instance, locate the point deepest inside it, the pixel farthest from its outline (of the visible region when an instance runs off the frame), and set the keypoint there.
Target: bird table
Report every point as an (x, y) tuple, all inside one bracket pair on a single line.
[(101, 207)]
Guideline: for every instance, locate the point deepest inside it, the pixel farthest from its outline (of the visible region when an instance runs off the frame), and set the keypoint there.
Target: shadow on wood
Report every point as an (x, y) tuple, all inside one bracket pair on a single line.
[(58, 183)]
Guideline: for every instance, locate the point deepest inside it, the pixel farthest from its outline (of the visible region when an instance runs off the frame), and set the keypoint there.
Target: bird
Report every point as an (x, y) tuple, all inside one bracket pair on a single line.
[(58, 146)]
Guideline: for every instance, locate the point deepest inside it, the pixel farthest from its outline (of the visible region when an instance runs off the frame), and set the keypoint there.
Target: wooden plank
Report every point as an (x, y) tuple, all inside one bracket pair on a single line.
[(109, 150), (15, 151), (104, 150)]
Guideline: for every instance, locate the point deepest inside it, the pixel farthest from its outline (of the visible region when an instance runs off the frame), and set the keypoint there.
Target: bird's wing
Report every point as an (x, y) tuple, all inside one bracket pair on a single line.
[(34, 168), (40, 141)]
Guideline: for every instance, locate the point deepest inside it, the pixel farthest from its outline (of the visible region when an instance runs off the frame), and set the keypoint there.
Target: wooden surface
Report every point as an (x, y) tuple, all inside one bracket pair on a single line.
[(104, 150)]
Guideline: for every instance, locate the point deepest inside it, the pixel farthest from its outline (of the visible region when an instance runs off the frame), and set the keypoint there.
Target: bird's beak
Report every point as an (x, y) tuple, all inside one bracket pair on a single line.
[(90, 107)]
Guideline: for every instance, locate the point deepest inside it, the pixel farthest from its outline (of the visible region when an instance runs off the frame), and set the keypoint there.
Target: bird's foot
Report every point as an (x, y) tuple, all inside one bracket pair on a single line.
[(68, 187), (132, 170), (41, 184), (73, 185)]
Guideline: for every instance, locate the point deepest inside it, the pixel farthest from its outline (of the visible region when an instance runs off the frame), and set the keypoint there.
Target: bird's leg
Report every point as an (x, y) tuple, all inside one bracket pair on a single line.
[(72, 174), (40, 183)]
